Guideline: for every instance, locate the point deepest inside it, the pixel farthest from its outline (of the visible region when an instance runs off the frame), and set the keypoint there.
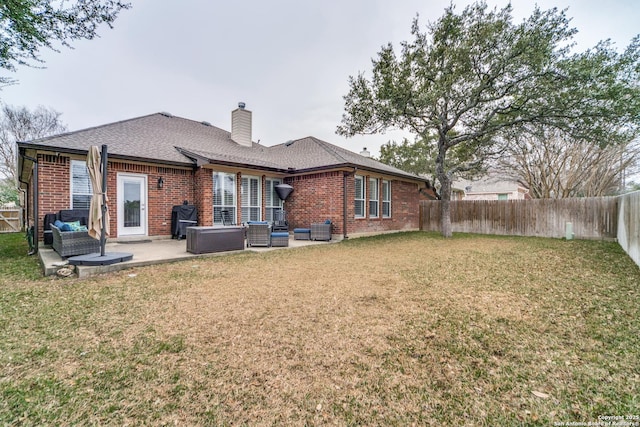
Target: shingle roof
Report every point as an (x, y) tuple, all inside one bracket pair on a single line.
[(164, 138)]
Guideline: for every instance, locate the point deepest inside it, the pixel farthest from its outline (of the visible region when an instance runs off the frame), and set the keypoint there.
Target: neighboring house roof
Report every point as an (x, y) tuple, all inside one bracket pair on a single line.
[(489, 184), (168, 139)]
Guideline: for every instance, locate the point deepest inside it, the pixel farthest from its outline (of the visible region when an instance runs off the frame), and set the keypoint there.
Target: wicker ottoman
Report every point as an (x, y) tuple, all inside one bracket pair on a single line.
[(302, 234), (280, 239)]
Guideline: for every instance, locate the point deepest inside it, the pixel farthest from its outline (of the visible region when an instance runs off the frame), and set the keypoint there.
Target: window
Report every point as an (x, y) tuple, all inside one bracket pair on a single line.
[(251, 199), (386, 199), (273, 202), (374, 198), (81, 189), (224, 196), (503, 196), (359, 197)]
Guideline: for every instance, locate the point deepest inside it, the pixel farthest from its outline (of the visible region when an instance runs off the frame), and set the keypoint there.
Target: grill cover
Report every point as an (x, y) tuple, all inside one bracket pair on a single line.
[(183, 216)]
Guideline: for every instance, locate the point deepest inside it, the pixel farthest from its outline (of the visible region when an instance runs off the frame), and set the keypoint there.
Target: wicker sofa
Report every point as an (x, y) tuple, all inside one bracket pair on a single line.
[(70, 243)]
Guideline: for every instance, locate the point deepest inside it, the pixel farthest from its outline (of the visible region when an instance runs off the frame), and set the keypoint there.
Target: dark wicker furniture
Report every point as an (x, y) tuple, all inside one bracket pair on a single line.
[(280, 238), (258, 234), (70, 243), (320, 231)]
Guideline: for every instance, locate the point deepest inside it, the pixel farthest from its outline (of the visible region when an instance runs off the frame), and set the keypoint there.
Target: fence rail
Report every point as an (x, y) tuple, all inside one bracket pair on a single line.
[(10, 220), (591, 217)]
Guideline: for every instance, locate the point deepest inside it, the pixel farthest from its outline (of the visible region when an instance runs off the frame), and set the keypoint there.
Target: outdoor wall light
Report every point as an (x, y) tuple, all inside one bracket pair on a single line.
[(160, 183)]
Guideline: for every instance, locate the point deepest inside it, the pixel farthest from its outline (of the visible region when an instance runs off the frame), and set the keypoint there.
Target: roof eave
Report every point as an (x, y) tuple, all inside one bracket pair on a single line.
[(79, 152), (360, 167)]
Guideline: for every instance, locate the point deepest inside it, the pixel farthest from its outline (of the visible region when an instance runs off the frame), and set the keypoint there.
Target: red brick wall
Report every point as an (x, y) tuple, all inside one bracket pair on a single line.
[(315, 198), (203, 187), (55, 191), (178, 186), (404, 207), (54, 186), (318, 197)]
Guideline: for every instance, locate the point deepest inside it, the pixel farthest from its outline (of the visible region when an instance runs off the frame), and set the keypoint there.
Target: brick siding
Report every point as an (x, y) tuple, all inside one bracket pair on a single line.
[(54, 191), (316, 197)]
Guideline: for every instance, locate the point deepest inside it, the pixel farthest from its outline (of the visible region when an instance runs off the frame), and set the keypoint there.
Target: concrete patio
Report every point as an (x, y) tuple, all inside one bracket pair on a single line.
[(149, 252)]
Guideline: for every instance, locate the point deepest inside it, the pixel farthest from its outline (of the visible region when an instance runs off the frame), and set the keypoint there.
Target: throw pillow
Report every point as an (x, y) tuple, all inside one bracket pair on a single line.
[(72, 226), (59, 224)]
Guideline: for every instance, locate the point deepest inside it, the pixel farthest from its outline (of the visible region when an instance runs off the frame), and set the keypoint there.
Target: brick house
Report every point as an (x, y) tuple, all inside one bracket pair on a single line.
[(158, 161)]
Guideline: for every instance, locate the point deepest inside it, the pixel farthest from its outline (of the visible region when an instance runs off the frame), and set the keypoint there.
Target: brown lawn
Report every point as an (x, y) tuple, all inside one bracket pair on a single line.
[(394, 330)]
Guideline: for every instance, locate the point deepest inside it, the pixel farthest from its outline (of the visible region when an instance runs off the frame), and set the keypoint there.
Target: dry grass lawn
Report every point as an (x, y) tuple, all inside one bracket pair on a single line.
[(392, 330)]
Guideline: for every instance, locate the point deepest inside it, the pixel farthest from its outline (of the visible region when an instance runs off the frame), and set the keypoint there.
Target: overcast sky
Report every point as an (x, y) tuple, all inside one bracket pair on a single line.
[(288, 60)]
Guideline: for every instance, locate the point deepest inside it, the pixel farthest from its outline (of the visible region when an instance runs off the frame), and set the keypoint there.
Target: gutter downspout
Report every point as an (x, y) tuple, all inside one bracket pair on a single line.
[(35, 202), (345, 201), (344, 205)]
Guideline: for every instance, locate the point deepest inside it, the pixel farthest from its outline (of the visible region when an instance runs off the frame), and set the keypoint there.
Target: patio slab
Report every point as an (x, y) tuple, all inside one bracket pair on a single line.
[(149, 252)]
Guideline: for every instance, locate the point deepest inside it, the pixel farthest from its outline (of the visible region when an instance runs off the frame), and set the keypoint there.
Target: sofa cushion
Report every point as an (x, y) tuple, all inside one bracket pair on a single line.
[(70, 215)]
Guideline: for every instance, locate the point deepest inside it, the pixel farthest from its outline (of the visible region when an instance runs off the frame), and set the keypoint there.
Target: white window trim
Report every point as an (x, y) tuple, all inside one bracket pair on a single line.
[(270, 184), (71, 186), (376, 182), (385, 181), (235, 195), (363, 199), (249, 206)]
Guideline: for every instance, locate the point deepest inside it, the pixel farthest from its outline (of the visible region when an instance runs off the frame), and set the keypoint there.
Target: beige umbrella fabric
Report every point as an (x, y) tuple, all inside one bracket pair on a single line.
[(95, 210)]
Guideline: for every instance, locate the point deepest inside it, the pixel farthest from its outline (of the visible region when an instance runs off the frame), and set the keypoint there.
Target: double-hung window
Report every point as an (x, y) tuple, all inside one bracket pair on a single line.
[(386, 198), (273, 202), (359, 197), (251, 198), (81, 189), (374, 198), (224, 196)]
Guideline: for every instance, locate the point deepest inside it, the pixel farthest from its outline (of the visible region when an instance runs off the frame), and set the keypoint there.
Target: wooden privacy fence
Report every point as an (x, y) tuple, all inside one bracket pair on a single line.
[(10, 220), (591, 217), (629, 224)]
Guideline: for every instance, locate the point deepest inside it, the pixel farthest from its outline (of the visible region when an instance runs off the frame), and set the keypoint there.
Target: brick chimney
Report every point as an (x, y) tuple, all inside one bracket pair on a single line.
[(241, 125)]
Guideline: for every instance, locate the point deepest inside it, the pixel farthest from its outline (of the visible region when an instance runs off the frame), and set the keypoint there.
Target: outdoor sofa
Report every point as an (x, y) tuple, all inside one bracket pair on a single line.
[(67, 242)]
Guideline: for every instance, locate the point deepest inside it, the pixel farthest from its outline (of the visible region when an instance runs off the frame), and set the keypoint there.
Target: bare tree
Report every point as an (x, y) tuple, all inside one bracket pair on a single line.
[(557, 166), (22, 124)]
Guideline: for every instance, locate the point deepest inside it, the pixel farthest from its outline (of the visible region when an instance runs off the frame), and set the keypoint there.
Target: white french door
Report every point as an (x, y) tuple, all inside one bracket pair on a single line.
[(132, 205)]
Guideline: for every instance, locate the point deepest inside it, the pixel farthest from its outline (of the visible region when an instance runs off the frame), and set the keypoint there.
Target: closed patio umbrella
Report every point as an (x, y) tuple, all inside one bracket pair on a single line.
[(98, 213), (98, 217)]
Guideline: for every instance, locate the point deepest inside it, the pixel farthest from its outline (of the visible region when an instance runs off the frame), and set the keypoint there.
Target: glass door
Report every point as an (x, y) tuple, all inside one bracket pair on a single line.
[(132, 204)]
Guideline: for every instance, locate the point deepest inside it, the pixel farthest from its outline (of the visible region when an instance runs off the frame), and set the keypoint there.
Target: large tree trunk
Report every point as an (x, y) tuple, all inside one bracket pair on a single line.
[(445, 206), (445, 188)]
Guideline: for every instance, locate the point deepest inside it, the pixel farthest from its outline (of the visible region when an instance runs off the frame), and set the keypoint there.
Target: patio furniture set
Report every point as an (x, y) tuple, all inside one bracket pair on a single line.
[(66, 232), (255, 233)]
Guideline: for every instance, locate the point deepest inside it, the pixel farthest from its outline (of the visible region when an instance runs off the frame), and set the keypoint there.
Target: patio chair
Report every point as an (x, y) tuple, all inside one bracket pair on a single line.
[(321, 231), (226, 217), (258, 233)]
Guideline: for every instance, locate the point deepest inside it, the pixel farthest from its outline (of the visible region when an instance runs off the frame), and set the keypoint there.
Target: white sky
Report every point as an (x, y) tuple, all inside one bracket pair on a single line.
[(289, 60)]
